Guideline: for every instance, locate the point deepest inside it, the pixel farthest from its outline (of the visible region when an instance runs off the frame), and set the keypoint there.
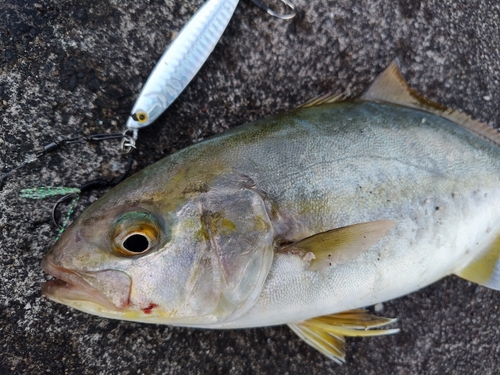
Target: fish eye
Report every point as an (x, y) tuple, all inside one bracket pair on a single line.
[(135, 233), (136, 243), (140, 116)]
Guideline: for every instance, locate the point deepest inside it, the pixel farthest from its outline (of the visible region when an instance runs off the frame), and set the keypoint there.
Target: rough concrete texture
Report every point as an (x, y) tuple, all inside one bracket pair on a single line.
[(72, 67)]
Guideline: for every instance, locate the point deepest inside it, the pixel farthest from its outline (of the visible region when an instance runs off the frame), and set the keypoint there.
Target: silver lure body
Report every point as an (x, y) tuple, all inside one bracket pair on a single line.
[(181, 61)]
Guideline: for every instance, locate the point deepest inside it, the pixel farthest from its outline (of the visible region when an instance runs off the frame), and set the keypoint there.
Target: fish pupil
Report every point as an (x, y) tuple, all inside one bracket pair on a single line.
[(136, 243)]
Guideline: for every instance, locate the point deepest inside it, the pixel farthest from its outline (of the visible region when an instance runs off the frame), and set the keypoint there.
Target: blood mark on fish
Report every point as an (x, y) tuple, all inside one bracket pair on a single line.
[(150, 308)]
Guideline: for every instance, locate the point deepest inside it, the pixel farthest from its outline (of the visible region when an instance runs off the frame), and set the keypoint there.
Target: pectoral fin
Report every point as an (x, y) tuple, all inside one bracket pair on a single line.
[(485, 270), (339, 245), (327, 333)]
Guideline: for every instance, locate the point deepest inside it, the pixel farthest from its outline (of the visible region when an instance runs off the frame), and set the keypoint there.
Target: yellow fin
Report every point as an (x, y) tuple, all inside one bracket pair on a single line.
[(339, 245), (323, 99), (391, 87), (326, 333), (485, 270)]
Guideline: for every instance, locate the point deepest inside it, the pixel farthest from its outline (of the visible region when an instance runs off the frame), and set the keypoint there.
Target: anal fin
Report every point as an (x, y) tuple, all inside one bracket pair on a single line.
[(327, 333), (485, 270)]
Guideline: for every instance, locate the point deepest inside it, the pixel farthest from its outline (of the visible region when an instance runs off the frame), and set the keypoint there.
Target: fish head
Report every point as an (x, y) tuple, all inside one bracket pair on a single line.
[(155, 249)]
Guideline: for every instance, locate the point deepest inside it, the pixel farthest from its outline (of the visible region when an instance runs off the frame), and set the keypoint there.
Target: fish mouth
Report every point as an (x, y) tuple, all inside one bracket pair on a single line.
[(69, 288)]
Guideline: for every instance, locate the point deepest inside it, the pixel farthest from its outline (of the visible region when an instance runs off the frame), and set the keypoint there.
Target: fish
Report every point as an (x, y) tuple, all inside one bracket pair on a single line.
[(303, 218)]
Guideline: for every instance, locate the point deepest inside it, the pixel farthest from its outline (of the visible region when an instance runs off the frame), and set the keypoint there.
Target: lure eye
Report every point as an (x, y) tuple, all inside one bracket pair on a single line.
[(140, 116), (135, 233)]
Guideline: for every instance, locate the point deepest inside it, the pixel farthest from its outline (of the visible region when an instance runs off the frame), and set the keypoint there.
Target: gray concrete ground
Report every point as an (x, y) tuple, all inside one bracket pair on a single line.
[(72, 67)]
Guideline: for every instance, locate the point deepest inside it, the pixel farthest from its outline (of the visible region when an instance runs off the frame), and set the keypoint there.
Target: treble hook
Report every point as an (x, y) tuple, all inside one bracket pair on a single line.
[(265, 8)]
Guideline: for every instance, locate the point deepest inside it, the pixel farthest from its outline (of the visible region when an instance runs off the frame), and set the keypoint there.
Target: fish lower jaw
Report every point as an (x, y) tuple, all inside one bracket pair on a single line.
[(69, 288)]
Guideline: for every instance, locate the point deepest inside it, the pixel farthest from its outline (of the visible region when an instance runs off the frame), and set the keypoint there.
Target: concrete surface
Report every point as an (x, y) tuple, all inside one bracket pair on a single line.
[(72, 67)]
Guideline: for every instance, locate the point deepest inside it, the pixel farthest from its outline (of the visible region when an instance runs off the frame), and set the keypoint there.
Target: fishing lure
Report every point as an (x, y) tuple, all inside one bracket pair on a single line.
[(183, 59), (180, 62)]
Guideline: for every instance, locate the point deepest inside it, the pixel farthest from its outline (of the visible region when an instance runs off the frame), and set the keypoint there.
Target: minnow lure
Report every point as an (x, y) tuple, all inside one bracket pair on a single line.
[(182, 60)]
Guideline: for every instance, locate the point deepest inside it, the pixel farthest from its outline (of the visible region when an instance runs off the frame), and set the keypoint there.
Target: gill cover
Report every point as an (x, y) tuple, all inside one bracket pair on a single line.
[(231, 251)]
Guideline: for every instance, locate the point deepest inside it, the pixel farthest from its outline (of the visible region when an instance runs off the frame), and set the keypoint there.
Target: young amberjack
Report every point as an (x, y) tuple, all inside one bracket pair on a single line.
[(302, 218)]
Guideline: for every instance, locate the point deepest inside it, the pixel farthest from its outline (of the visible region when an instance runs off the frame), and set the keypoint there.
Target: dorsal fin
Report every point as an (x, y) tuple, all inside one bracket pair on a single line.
[(323, 99), (391, 87)]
